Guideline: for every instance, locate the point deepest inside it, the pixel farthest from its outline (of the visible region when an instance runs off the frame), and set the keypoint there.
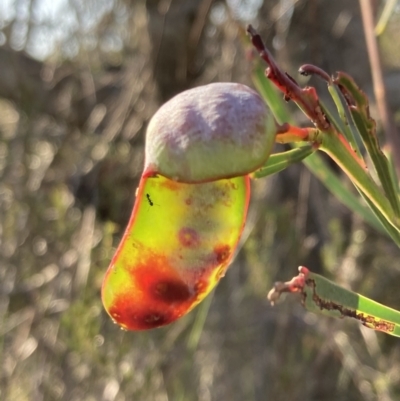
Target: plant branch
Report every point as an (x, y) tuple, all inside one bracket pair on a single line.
[(306, 98), (327, 136)]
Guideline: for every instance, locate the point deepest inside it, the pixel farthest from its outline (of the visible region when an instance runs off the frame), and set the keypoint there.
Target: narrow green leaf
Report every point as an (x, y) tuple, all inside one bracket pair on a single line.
[(344, 158), (271, 96), (359, 111), (393, 171), (379, 160), (198, 325), (279, 161), (332, 182), (324, 296), (344, 128), (320, 295), (392, 231), (388, 11)]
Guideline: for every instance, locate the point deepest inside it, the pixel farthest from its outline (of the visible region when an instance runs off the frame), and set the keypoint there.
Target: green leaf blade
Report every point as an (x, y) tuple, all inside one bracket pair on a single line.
[(359, 110), (322, 295), (279, 161)]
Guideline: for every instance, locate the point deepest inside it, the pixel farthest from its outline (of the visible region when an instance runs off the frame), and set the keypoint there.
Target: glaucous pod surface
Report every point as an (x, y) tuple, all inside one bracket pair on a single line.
[(215, 131)]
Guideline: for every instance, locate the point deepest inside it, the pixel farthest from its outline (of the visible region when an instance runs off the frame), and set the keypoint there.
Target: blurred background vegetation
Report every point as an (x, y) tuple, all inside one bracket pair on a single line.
[(79, 81)]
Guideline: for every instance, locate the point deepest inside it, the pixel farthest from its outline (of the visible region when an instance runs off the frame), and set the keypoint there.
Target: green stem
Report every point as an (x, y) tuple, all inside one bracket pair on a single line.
[(334, 147)]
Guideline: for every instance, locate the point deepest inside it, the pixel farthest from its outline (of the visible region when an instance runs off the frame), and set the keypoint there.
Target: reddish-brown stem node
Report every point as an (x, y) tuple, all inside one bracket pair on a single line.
[(296, 284), (306, 98)]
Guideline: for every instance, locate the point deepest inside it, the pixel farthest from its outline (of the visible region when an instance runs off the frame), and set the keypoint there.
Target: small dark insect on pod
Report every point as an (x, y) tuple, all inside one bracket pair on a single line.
[(149, 199)]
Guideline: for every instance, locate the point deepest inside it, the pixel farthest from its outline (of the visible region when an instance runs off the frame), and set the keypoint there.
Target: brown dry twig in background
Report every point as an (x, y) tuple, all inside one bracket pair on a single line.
[(386, 118)]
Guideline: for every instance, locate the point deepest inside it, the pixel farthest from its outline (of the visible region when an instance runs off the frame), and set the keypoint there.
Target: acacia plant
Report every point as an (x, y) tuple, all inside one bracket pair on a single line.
[(202, 149)]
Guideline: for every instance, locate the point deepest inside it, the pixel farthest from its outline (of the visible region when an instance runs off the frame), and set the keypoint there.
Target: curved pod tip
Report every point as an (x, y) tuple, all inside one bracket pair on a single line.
[(178, 244)]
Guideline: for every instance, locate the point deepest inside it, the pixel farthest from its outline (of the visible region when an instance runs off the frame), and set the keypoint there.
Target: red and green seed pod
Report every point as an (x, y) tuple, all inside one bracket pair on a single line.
[(191, 204)]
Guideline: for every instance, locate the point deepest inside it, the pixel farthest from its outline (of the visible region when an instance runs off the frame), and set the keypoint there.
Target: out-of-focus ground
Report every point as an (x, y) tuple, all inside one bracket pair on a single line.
[(77, 88)]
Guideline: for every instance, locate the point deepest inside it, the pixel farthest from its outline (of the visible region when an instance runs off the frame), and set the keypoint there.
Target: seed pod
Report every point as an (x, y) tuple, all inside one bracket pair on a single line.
[(174, 251), (191, 204), (215, 131)]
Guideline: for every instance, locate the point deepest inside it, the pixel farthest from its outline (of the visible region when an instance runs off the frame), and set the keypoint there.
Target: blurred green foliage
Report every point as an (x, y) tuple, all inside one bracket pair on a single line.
[(68, 174)]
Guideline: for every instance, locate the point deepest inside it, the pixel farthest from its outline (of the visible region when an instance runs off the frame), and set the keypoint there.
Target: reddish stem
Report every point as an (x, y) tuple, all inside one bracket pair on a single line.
[(296, 284), (310, 69), (306, 98)]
